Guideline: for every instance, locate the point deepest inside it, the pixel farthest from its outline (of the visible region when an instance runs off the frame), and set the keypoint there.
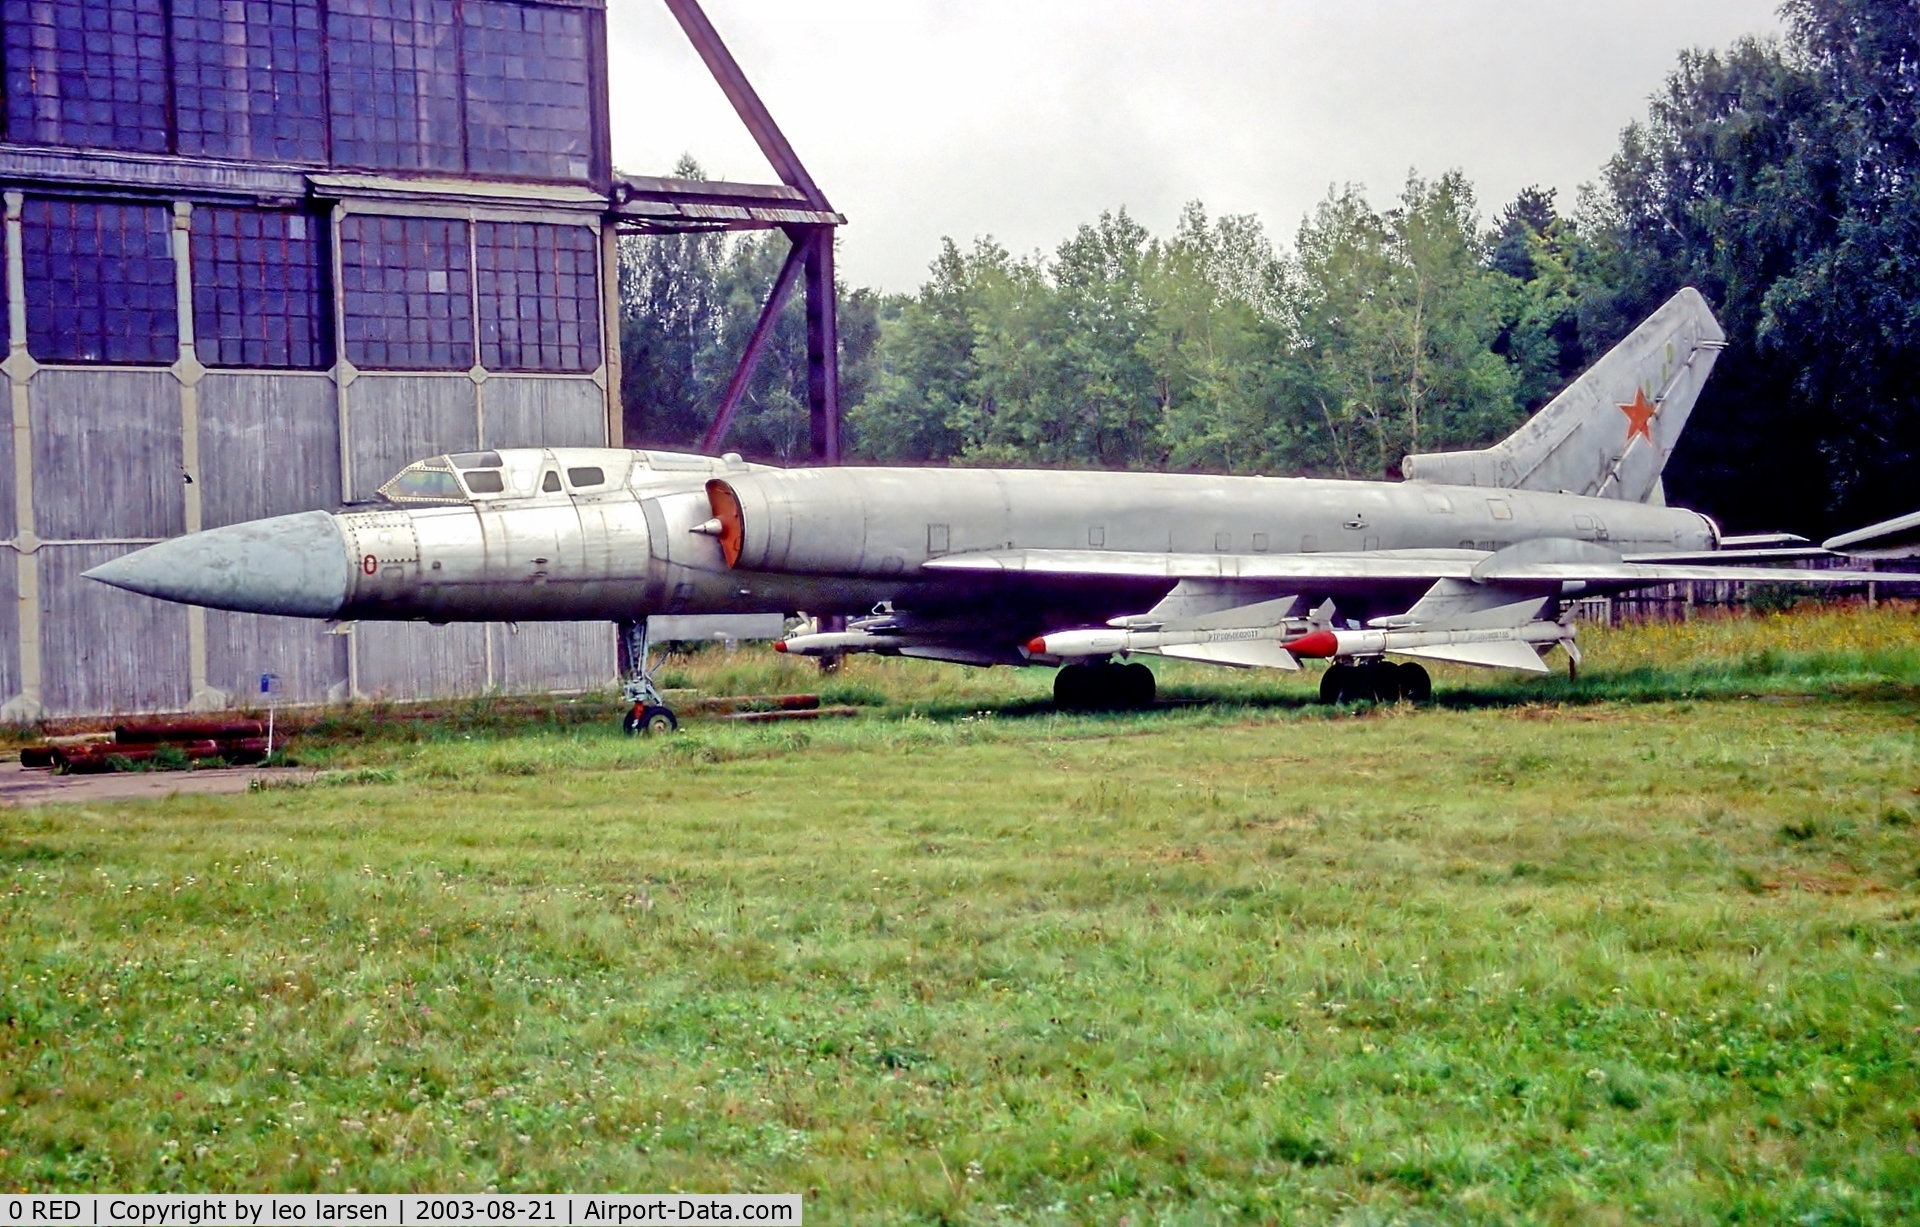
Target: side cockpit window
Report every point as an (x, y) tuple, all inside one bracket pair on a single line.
[(481, 472), (578, 478), (550, 484)]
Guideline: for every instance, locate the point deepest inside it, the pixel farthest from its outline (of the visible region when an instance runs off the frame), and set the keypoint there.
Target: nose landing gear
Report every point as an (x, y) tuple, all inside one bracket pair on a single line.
[(647, 710)]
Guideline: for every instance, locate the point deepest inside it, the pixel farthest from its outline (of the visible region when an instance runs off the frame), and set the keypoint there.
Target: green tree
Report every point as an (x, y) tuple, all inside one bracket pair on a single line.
[(1781, 178), (670, 314), (689, 304), (923, 372), (1397, 316), (1217, 341)]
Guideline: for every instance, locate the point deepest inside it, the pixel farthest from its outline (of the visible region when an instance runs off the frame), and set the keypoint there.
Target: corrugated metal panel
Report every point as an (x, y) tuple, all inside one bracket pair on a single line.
[(412, 660), (7, 525), (9, 625), (394, 420), (269, 445), (107, 650), (106, 454), (552, 656), (310, 663), (543, 412)]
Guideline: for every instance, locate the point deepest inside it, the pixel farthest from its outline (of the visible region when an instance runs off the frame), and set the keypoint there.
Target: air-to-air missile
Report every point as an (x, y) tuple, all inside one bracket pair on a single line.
[(1475, 558)]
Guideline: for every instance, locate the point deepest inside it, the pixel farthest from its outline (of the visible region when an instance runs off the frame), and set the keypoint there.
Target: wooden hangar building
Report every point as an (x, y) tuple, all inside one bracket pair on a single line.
[(260, 254)]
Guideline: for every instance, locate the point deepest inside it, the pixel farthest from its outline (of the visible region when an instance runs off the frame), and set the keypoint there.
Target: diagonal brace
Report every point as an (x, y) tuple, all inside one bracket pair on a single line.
[(756, 343)]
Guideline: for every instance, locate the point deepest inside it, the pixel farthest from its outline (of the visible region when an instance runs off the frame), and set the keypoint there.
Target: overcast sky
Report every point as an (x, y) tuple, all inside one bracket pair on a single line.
[(1022, 119)]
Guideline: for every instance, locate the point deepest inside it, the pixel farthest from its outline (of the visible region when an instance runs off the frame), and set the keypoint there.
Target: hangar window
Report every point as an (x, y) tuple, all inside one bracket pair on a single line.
[(394, 76), (259, 290), (528, 108), (100, 282), (91, 73), (539, 297), (406, 293), (586, 477), (250, 79)]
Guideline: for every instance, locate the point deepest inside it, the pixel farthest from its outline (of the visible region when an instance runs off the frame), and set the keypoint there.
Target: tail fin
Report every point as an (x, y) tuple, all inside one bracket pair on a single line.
[(1610, 432)]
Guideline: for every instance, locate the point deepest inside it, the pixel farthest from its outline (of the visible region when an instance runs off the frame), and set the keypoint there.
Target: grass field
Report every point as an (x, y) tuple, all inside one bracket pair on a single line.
[(1638, 948)]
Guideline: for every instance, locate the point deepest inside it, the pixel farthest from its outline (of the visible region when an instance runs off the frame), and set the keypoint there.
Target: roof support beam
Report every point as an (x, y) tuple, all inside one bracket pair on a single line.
[(746, 103), (812, 241)]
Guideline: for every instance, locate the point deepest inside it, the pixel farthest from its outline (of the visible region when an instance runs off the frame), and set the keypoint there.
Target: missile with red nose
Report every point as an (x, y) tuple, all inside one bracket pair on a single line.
[(1069, 645), (1327, 642)]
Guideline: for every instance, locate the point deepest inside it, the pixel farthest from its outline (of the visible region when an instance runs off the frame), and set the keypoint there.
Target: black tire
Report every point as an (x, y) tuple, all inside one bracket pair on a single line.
[(656, 721), (1416, 684), (1363, 684), (1071, 687), (1335, 684), (1137, 685)]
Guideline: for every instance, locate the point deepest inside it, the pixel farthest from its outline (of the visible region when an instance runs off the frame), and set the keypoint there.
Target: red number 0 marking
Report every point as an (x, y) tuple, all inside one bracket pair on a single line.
[(369, 564)]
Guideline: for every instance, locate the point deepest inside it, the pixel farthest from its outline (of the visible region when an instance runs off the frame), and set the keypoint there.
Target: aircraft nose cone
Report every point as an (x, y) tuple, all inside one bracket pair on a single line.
[(294, 566)]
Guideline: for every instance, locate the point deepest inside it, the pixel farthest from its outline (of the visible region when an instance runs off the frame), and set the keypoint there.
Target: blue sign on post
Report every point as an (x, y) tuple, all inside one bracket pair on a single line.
[(268, 683)]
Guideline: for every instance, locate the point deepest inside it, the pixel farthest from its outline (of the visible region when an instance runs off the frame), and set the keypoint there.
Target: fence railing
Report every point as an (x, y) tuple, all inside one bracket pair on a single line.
[(1679, 602)]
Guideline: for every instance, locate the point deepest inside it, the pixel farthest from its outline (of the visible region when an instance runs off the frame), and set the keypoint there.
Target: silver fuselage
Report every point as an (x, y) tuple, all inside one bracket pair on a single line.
[(592, 534), (842, 540)]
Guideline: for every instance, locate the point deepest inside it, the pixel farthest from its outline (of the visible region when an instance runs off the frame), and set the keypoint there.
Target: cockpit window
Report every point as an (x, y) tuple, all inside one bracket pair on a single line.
[(426, 482), (476, 460), (586, 477), (485, 481), (550, 484)]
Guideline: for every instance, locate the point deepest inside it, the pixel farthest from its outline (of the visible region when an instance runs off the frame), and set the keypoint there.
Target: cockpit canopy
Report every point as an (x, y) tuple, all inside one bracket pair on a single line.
[(510, 473), (447, 479)]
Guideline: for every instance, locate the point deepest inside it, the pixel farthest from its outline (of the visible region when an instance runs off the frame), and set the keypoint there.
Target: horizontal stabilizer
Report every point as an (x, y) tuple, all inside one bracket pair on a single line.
[(1896, 538), (1496, 654), (1715, 558)]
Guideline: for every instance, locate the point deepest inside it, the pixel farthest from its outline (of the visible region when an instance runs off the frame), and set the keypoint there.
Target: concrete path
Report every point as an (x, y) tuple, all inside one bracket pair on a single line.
[(19, 786)]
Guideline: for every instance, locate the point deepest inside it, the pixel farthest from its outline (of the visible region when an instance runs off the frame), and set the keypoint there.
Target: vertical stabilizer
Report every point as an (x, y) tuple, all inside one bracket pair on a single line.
[(1610, 432)]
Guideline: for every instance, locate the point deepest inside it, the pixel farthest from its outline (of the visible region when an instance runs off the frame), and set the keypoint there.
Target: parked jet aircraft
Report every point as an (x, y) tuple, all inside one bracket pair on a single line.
[(1472, 559)]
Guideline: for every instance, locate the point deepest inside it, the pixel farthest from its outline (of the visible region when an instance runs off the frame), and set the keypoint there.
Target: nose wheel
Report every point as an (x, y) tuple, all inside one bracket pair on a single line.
[(647, 710), (649, 719)]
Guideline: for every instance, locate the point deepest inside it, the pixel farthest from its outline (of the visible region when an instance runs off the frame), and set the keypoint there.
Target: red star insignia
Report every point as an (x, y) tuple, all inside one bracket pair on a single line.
[(1640, 415)]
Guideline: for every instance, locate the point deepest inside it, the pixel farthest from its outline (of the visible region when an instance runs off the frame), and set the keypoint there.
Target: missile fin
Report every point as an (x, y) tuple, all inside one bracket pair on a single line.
[(1498, 654), (1250, 654)]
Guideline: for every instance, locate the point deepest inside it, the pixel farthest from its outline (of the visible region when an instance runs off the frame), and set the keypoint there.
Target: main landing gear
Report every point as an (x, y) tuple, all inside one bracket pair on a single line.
[(1374, 681), (1105, 686), (647, 710)]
